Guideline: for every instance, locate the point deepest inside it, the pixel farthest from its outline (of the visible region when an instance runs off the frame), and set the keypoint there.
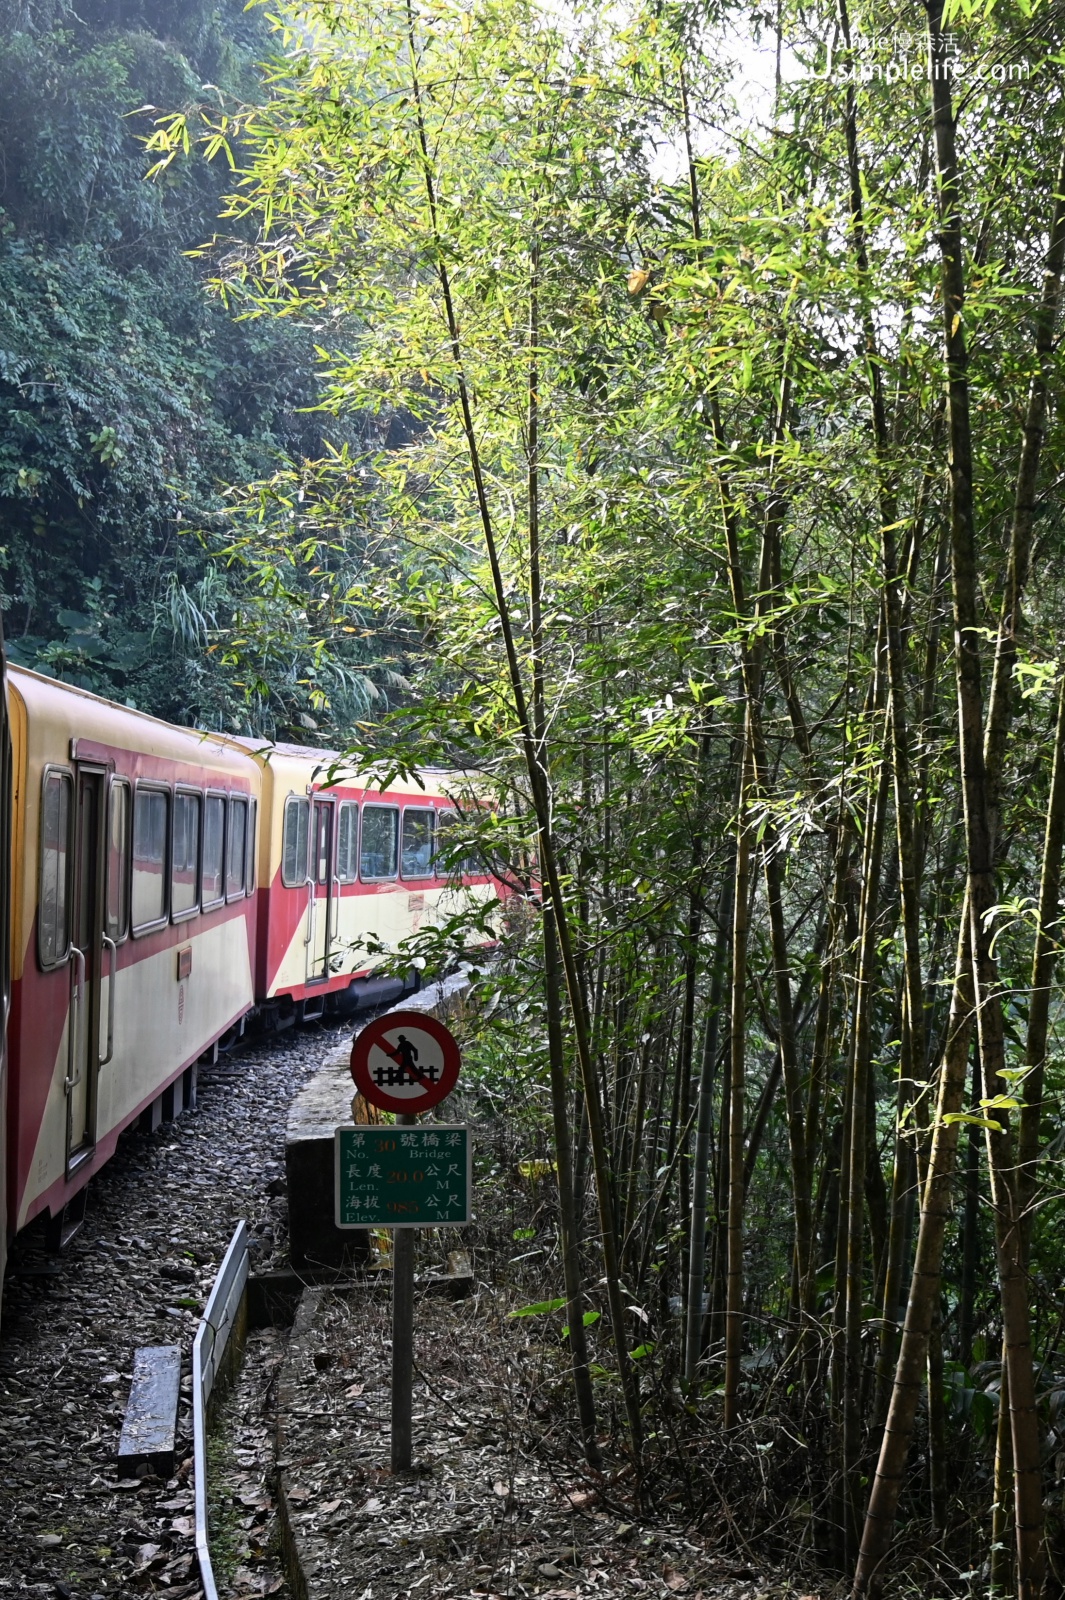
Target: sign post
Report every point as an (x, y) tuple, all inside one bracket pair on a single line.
[(403, 1062), (402, 1337)]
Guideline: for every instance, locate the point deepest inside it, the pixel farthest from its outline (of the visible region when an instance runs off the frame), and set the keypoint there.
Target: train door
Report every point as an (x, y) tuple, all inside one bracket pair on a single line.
[(86, 964), (323, 890)]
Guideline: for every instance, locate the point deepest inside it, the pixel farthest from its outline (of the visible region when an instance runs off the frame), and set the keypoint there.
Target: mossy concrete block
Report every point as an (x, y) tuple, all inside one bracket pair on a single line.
[(323, 1104)]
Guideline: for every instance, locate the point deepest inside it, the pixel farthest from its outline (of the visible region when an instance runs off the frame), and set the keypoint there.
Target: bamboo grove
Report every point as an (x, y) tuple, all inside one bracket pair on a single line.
[(726, 537)]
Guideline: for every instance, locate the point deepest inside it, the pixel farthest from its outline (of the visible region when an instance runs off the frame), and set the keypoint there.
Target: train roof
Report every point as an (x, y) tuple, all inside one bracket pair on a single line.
[(236, 744), (259, 745), (49, 682), (39, 687), (265, 748)]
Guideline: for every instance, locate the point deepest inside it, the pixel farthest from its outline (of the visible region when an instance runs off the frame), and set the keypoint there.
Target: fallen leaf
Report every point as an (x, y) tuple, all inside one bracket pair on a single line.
[(580, 1498)]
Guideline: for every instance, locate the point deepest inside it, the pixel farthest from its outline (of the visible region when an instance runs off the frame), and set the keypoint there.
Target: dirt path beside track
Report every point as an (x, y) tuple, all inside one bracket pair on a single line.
[(492, 1514)]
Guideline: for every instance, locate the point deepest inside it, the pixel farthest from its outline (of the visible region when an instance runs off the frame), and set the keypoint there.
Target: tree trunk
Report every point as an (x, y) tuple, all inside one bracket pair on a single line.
[(693, 1340), (937, 1424), (970, 1230), (737, 1071), (910, 1372), (536, 763), (981, 898), (903, 1182), (854, 1184), (687, 1041), (1000, 1565), (568, 1222), (1044, 961)]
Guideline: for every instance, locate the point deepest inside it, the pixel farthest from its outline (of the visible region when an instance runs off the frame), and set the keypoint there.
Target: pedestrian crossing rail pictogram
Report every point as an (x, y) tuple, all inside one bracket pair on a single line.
[(405, 1062)]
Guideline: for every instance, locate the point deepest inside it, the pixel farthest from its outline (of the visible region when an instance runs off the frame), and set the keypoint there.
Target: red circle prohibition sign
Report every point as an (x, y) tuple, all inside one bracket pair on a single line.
[(405, 1061)]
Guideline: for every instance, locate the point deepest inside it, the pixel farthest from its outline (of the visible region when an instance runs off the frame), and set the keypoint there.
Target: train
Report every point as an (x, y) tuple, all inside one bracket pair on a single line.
[(166, 886)]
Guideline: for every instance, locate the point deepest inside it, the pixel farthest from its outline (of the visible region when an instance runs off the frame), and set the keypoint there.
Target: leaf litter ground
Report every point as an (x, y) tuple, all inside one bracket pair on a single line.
[(495, 1509)]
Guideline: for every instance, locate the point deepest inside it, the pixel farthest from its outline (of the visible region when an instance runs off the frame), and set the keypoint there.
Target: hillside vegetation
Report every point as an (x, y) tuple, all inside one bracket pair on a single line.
[(703, 494), (130, 401)]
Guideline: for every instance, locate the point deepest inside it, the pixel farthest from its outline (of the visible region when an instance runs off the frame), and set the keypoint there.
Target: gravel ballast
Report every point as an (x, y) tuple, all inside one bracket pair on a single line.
[(158, 1221), (499, 1508)]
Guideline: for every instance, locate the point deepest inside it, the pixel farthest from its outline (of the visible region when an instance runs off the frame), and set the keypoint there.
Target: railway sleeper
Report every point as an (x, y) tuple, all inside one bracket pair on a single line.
[(149, 1431)]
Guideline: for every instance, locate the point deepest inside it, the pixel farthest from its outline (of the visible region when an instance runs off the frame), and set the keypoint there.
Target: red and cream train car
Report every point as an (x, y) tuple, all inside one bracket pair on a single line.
[(5, 944), (132, 924), (164, 883), (342, 862)]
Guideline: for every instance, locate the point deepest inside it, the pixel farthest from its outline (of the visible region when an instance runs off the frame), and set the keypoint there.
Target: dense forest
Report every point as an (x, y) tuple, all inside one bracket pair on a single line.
[(130, 402), (722, 540)]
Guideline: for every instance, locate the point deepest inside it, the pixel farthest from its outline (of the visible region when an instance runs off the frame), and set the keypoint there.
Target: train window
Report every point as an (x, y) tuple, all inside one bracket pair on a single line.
[(148, 897), (253, 811), (294, 852), (417, 855), (451, 859), (184, 878), (236, 847), (117, 918), (53, 920), (453, 855), (214, 840), (380, 837), (347, 841), (323, 829)]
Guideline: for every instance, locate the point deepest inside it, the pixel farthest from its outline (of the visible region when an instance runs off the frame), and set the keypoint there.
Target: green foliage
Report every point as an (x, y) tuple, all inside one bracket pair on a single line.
[(128, 400), (539, 1309), (630, 341)]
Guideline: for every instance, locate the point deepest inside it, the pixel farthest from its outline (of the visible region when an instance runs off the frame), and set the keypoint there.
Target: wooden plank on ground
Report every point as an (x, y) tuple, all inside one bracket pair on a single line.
[(150, 1427)]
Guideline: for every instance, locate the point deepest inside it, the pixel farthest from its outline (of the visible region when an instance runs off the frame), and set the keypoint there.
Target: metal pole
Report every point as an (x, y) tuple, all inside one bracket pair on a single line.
[(402, 1336)]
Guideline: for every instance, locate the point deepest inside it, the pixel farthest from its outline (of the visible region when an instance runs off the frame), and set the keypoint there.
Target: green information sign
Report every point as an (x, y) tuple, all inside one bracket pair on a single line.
[(403, 1177)]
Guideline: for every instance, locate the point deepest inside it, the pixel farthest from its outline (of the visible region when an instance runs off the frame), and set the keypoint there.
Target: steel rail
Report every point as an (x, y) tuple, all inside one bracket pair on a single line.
[(209, 1347)]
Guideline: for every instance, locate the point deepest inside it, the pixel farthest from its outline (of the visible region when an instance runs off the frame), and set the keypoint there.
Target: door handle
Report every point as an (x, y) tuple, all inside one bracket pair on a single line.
[(76, 990), (112, 973), (309, 935)]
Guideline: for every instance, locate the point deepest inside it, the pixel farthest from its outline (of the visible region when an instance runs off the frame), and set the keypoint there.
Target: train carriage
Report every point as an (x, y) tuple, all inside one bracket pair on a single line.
[(340, 864), (132, 924), (5, 944), (164, 883)]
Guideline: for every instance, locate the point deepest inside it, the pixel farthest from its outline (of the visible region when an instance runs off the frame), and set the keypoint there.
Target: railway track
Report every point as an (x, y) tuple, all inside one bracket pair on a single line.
[(158, 1220)]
